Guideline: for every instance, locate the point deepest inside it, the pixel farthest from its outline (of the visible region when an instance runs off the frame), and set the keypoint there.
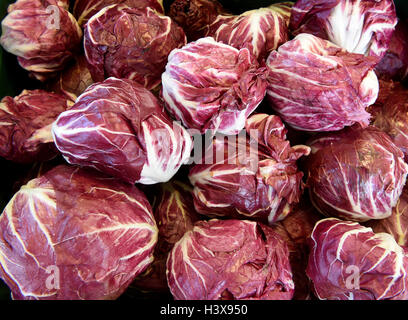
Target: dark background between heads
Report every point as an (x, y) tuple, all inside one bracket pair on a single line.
[(13, 79)]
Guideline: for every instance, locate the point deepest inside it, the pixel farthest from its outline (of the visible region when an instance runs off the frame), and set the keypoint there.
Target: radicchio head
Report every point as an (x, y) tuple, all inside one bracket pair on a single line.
[(119, 127), (130, 43), (230, 259), (75, 234), (356, 174), (359, 26), (43, 35), (315, 85), (252, 176), (350, 262), (211, 85)]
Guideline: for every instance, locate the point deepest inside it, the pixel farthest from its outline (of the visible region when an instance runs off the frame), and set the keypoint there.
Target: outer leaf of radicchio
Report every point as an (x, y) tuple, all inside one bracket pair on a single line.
[(85, 9), (350, 262), (252, 176), (392, 117), (25, 125), (74, 80), (95, 234), (119, 32), (42, 44), (210, 85), (174, 215), (316, 86), (195, 16), (359, 26), (120, 128), (296, 229), (261, 31), (356, 174), (230, 259), (397, 223), (394, 64)]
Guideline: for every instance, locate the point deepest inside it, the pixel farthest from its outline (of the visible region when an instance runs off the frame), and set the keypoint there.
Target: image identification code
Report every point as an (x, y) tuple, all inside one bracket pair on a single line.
[(211, 309)]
